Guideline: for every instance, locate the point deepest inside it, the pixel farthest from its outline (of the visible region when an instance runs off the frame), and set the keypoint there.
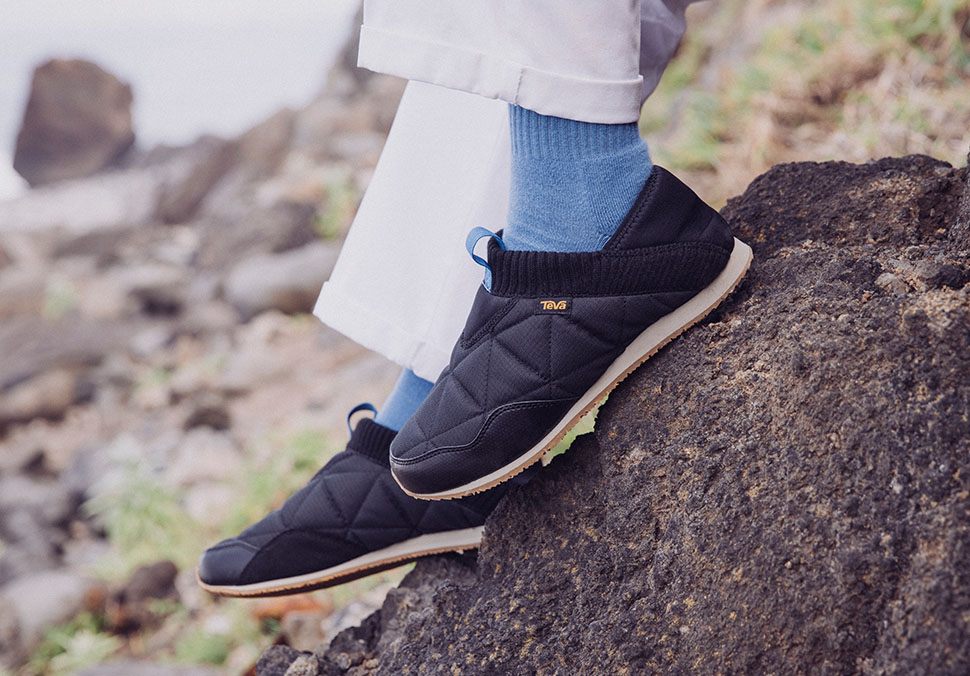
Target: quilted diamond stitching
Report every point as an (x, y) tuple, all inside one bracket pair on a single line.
[(521, 360), (302, 498), (344, 499), (607, 342), (353, 526), (401, 511), (460, 385), (295, 503), (548, 383), (524, 395)]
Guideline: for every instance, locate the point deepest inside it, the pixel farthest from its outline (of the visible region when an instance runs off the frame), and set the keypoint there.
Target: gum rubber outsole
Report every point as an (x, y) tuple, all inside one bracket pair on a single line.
[(368, 564), (640, 350)]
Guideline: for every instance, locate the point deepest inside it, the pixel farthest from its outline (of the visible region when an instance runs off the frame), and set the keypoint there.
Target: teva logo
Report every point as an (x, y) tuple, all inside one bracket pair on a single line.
[(553, 306)]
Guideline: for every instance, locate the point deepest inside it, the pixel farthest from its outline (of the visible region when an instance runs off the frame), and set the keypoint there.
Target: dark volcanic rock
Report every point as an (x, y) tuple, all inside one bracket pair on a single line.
[(77, 122), (785, 489), (276, 660)]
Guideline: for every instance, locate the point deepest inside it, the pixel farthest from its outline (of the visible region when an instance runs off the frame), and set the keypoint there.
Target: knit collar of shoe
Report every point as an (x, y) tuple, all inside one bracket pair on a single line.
[(368, 438), (646, 254), (505, 269)]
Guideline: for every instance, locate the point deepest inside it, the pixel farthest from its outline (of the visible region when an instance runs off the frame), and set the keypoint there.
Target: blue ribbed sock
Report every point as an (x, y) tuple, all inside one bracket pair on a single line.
[(572, 182), (407, 395)]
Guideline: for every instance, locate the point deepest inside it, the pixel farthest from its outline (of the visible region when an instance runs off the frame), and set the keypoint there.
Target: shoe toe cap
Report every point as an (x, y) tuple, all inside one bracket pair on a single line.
[(224, 563)]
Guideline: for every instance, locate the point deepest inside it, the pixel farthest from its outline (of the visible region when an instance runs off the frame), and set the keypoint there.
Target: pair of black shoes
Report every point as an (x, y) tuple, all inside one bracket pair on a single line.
[(554, 334)]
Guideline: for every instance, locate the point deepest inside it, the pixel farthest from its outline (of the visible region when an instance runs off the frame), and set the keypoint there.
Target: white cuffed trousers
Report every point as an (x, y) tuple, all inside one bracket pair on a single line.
[(404, 284)]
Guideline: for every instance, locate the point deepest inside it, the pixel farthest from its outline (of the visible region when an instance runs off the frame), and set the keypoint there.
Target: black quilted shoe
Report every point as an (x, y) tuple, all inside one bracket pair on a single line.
[(557, 332), (349, 521)]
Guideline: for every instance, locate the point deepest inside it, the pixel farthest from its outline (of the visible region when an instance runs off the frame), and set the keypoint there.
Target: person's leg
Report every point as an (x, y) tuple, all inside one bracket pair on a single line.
[(403, 288), (400, 288), (579, 61), (572, 182), (403, 285), (603, 259), (408, 393)]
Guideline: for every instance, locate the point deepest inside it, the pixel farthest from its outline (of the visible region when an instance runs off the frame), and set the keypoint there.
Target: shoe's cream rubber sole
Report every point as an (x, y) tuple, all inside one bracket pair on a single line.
[(389, 557), (642, 348)]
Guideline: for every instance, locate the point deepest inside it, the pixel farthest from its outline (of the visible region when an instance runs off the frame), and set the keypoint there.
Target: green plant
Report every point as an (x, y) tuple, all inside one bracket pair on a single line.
[(153, 377), (198, 647), (73, 646), (585, 425), (145, 522), (84, 649), (60, 297), (338, 210)]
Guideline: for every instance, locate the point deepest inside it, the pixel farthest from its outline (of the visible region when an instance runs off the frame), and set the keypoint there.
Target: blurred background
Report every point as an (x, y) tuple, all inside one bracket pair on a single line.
[(185, 175), (214, 67)]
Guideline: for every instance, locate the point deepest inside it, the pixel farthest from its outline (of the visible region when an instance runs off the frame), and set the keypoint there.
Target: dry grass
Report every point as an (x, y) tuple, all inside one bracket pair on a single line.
[(757, 83)]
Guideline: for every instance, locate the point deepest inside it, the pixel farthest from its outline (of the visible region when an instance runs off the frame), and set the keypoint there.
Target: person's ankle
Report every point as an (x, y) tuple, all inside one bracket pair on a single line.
[(572, 182), (407, 395)]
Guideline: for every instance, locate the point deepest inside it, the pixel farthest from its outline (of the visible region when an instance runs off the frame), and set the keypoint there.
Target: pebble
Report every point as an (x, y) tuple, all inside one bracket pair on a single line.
[(288, 281), (40, 600), (202, 455), (47, 395)]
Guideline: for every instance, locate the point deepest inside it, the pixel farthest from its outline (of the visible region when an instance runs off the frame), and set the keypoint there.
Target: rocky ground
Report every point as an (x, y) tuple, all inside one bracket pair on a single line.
[(154, 350), (783, 490)]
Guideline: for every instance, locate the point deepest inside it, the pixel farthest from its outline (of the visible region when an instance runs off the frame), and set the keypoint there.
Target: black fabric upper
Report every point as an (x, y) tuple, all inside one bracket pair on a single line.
[(551, 325), (351, 507)]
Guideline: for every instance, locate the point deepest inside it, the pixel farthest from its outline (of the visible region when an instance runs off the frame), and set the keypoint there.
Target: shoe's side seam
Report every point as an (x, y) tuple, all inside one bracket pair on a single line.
[(488, 326), (623, 311), (639, 206), (549, 353), (351, 533), (488, 373), (529, 367), (401, 512), (334, 505)]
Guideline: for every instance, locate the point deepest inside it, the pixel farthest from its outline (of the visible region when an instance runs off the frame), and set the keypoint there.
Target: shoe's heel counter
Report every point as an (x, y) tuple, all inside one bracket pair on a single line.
[(717, 231), (667, 211)]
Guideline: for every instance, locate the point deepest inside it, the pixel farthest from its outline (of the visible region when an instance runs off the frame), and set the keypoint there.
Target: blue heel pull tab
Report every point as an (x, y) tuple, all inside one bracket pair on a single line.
[(474, 237), (366, 406)]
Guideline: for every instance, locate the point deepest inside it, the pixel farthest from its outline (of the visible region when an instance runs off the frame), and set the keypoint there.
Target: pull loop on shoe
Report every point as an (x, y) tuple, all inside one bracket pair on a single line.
[(474, 237), (365, 406)]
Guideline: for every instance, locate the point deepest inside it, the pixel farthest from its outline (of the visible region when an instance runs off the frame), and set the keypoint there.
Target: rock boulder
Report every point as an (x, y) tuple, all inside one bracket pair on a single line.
[(784, 489), (77, 122)]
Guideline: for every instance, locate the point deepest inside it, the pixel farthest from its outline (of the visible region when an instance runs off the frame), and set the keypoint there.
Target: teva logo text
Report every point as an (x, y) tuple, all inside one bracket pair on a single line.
[(553, 304)]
